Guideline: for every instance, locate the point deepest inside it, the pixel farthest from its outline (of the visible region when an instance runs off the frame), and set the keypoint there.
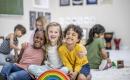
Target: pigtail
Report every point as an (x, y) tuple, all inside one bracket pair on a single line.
[(97, 28), (91, 35)]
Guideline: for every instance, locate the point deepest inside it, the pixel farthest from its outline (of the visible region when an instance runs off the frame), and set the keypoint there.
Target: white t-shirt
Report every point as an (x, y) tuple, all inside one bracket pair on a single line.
[(53, 56)]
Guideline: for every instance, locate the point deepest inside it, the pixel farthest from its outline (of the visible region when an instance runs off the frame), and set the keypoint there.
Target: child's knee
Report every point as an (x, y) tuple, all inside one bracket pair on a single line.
[(65, 70), (31, 68), (12, 76), (83, 77)]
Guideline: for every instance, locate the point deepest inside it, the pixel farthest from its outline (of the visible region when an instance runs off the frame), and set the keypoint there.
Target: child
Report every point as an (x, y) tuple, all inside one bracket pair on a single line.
[(97, 55), (70, 50), (11, 42), (40, 24), (32, 54), (54, 38)]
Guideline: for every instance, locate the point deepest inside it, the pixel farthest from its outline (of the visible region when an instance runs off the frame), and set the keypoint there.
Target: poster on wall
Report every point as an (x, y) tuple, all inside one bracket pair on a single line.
[(77, 2), (41, 4), (39, 14), (32, 19), (48, 16), (89, 2), (64, 2)]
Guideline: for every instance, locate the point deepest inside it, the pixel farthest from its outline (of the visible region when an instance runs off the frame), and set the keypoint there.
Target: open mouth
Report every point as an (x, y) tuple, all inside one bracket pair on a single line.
[(53, 37), (69, 39)]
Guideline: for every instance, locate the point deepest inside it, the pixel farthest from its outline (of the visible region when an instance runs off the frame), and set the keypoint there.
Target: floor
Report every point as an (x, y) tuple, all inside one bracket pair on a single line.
[(111, 74), (114, 73)]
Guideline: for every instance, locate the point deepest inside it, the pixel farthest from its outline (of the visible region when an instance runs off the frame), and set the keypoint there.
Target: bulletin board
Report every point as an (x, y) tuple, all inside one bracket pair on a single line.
[(11, 7)]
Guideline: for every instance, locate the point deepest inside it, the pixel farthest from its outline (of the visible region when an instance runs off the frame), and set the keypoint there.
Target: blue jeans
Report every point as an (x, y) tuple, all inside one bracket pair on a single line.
[(12, 72), (85, 69)]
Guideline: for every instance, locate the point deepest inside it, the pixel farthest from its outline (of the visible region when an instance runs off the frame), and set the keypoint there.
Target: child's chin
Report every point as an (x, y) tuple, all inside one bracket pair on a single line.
[(37, 47)]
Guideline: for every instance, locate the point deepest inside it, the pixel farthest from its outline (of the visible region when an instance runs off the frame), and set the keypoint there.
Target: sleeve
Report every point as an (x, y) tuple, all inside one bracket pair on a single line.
[(79, 62), (101, 43), (64, 59)]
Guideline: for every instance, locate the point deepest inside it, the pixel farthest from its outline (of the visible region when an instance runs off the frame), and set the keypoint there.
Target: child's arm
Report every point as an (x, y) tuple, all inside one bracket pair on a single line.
[(16, 55), (80, 60), (11, 37), (20, 55), (82, 51), (104, 54), (64, 60), (1, 37)]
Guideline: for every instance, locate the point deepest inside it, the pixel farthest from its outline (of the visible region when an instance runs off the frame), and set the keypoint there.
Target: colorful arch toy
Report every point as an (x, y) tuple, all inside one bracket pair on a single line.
[(53, 74)]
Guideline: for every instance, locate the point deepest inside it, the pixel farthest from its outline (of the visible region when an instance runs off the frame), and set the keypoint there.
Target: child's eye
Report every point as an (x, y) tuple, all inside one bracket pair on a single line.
[(37, 37), (56, 32), (41, 39), (67, 33), (50, 31)]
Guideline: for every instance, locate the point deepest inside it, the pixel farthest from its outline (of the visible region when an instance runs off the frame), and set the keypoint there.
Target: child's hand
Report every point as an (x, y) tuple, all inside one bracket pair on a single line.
[(82, 53), (72, 75), (24, 45), (109, 60)]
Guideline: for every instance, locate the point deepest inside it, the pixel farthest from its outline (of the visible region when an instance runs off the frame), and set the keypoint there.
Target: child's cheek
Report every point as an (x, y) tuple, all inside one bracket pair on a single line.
[(49, 37)]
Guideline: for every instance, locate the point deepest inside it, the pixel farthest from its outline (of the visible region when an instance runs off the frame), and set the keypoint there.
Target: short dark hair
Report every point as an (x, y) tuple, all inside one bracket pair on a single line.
[(76, 28), (21, 28), (43, 35)]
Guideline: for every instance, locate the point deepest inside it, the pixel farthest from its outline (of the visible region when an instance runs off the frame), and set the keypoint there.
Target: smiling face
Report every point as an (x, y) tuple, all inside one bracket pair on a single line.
[(53, 34), (38, 39), (71, 37), (39, 25), (18, 33)]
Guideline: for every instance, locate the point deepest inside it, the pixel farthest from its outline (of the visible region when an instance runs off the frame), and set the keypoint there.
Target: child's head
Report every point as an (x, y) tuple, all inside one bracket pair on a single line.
[(19, 30), (54, 33), (97, 31), (41, 23), (73, 34), (39, 39)]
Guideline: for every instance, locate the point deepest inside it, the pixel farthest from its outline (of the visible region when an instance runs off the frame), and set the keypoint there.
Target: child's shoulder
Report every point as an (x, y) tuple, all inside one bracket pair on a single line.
[(99, 40), (10, 34), (61, 47), (25, 45), (80, 46)]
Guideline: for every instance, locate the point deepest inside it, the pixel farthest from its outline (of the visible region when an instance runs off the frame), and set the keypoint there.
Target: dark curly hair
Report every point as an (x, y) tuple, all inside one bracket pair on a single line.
[(76, 28)]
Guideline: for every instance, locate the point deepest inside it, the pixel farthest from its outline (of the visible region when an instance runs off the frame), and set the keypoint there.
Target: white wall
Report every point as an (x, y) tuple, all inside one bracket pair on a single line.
[(113, 16)]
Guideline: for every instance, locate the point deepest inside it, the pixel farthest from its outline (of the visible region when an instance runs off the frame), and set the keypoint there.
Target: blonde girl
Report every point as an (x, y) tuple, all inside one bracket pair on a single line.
[(54, 39)]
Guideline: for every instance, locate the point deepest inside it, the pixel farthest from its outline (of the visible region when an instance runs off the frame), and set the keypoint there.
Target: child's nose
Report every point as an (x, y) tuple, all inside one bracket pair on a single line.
[(70, 35)]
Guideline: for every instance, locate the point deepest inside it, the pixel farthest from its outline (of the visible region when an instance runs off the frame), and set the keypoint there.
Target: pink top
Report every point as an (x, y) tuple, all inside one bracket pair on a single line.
[(31, 56)]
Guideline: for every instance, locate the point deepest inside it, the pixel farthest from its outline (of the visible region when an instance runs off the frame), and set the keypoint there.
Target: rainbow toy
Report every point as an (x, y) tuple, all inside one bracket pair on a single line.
[(53, 74)]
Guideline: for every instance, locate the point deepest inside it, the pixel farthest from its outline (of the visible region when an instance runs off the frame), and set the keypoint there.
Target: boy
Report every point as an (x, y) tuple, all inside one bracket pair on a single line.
[(11, 42), (70, 51)]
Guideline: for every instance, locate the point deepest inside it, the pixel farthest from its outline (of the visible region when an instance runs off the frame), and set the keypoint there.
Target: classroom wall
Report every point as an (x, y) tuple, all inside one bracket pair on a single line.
[(113, 16)]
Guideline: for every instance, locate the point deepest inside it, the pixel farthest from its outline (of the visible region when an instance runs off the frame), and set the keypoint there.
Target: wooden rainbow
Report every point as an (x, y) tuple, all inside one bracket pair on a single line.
[(53, 74)]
